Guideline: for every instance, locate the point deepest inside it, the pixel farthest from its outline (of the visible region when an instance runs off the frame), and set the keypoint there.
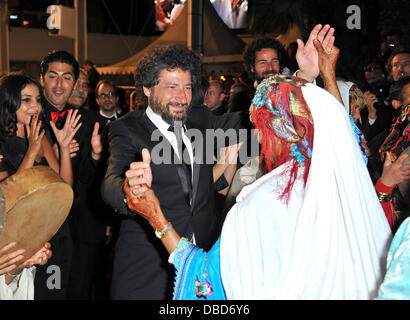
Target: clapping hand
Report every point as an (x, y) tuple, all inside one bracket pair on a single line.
[(65, 135), (34, 137), (96, 142), (327, 59), (307, 55)]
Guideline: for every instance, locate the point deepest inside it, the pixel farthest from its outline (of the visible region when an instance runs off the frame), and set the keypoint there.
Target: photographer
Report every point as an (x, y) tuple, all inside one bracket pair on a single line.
[(379, 113)]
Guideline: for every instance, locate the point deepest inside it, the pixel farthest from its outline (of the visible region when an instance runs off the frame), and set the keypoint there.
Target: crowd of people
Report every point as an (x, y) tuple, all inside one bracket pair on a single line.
[(311, 215)]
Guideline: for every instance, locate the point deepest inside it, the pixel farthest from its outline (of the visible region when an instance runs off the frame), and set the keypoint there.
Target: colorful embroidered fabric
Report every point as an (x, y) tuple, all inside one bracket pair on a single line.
[(282, 115), (360, 140), (198, 273), (399, 137), (357, 101)]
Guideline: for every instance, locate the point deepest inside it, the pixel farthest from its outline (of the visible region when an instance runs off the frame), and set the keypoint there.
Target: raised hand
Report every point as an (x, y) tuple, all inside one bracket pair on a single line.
[(327, 59), (34, 137), (307, 56), (96, 142), (71, 126), (395, 172), (139, 176)]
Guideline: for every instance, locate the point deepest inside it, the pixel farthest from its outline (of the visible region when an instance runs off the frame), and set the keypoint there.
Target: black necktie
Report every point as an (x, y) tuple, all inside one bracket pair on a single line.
[(184, 161)]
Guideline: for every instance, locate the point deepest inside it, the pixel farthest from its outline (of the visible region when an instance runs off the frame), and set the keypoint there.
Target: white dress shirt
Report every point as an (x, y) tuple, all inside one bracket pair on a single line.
[(170, 136)]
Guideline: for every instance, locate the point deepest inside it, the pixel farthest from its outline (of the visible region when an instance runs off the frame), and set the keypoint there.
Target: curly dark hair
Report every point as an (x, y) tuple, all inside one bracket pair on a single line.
[(11, 85), (60, 56), (257, 45), (166, 57)]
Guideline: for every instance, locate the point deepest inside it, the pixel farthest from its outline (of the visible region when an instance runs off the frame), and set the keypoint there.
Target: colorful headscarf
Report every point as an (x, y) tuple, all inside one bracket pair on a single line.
[(399, 137), (279, 110)]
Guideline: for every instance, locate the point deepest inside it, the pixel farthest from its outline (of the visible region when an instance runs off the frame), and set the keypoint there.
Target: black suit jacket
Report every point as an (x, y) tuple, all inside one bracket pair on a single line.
[(141, 270)]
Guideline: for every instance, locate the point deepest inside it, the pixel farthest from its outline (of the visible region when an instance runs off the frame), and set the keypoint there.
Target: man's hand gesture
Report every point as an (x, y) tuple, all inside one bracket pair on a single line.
[(139, 176)]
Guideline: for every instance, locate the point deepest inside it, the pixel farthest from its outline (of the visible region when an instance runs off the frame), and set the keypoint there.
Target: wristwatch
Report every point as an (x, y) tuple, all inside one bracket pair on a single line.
[(161, 233)]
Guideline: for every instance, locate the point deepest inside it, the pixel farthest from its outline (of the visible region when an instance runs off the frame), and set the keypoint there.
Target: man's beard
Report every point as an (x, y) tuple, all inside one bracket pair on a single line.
[(165, 112), (265, 75), (108, 107)]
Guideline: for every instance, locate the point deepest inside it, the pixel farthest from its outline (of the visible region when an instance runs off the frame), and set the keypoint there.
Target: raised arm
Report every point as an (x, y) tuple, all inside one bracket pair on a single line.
[(327, 66), (64, 138)]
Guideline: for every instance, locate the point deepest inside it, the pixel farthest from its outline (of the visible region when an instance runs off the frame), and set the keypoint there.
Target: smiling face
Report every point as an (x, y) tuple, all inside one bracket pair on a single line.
[(58, 83), (30, 105), (266, 64), (171, 97)]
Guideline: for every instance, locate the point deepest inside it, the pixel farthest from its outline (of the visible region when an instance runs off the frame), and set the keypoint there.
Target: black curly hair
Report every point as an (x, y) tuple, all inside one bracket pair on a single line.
[(166, 58), (11, 85), (257, 45), (63, 57)]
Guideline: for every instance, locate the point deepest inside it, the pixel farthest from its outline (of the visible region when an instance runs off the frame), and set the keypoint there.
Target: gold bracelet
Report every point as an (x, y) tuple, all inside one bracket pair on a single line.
[(384, 197)]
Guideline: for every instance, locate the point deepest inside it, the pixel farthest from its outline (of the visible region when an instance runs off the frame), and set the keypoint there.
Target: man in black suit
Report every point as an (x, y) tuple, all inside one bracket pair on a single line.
[(59, 72), (167, 77)]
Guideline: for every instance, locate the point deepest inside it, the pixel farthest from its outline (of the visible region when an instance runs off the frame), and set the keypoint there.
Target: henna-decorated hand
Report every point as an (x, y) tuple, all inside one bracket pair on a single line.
[(307, 56), (327, 60), (147, 205), (140, 197)]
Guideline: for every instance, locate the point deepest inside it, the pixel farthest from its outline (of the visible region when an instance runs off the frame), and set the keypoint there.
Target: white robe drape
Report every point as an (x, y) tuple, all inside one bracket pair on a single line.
[(330, 242)]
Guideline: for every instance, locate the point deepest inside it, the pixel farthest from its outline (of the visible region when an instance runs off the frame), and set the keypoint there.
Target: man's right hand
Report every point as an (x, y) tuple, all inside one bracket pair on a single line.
[(139, 176)]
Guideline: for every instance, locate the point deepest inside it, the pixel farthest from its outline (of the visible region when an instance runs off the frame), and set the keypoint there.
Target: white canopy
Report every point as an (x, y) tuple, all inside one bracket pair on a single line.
[(220, 44)]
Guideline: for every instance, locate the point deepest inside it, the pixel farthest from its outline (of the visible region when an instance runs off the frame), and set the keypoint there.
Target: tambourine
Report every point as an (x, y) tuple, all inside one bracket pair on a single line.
[(33, 205)]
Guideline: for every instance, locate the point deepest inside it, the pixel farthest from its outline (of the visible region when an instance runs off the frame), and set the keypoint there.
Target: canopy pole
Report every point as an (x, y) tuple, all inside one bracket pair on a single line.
[(195, 25)]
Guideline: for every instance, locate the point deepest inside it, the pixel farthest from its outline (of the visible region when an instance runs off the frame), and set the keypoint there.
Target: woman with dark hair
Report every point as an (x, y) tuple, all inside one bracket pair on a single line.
[(22, 146), (21, 132)]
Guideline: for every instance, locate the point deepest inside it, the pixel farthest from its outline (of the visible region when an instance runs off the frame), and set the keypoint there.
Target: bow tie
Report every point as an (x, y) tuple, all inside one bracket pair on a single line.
[(55, 115)]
